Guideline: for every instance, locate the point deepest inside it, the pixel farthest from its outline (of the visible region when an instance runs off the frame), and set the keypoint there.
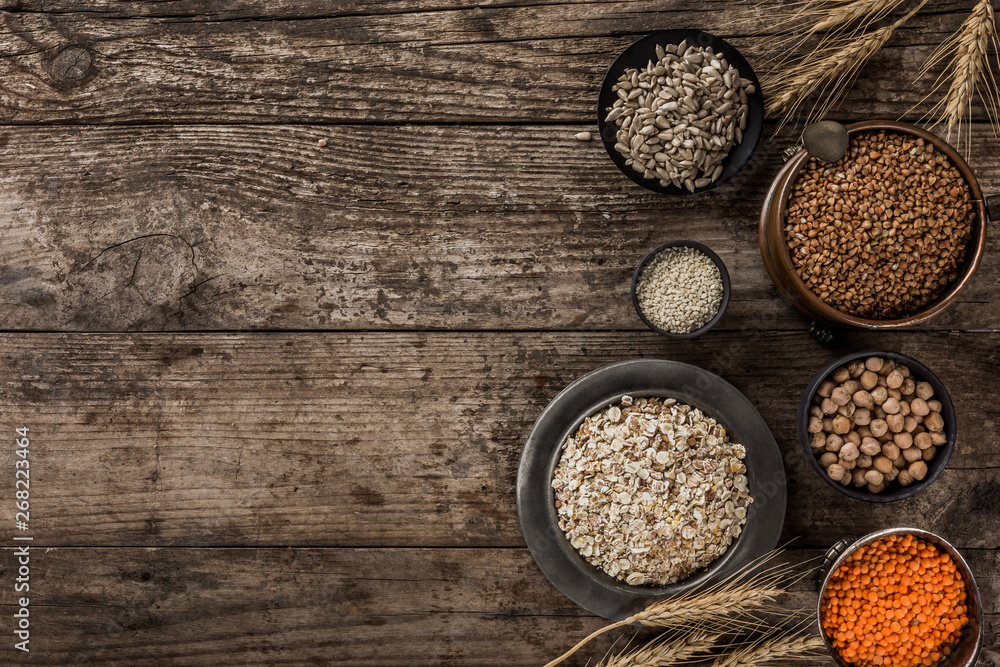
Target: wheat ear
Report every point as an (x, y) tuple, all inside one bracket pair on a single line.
[(740, 593), (785, 646), (664, 652), (828, 71), (969, 72)]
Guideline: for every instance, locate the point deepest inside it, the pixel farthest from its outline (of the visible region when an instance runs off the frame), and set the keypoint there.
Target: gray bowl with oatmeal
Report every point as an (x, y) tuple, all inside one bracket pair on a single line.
[(645, 479)]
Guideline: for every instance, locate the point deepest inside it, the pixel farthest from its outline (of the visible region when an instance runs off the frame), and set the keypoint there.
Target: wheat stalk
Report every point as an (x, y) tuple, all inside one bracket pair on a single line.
[(740, 593), (827, 71), (786, 646), (662, 653), (831, 18), (969, 71)]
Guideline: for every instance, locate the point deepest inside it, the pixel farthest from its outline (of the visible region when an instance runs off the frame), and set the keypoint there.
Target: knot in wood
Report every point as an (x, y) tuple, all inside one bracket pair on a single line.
[(71, 65)]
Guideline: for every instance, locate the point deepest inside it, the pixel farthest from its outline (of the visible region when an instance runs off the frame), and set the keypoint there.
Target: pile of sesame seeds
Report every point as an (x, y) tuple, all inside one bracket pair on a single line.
[(680, 290)]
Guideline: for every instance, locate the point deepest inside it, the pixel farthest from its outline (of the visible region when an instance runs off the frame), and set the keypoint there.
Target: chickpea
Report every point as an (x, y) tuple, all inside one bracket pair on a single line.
[(890, 451), (868, 380), (847, 464), (924, 390), (876, 488), (878, 427), (862, 399), (856, 368), (909, 386), (825, 389), (928, 454), (874, 363), (818, 441), (918, 470), (841, 424), (909, 424), (891, 406), (883, 464), (918, 406), (853, 437), (847, 409), (902, 440), (874, 477), (939, 438), (828, 406), (899, 462), (815, 425), (904, 408), (849, 452), (895, 393), (879, 394), (903, 370), (858, 477), (864, 431), (828, 459), (836, 472), (932, 422), (923, 440), (934, 405), (834, 443), (815, 411), (864, 461), (862, 417), (891, 475), (841, 375), (912, 454), (870, 446), (840, 396), (905, 478), (879, 413), (895, 423), (851, 386)]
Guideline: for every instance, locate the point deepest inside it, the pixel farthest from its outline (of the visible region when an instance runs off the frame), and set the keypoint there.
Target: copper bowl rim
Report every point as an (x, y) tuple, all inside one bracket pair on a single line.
[(839, 552), (773, 217)]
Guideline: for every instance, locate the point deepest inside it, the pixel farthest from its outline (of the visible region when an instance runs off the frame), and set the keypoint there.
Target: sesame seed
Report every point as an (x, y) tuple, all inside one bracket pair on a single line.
[(680, 290)]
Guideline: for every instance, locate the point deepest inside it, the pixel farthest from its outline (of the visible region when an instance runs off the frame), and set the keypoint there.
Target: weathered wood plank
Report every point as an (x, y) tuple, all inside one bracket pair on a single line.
[(491, 64), (213, 227), (127, 606), (314, 9), (400, 439)]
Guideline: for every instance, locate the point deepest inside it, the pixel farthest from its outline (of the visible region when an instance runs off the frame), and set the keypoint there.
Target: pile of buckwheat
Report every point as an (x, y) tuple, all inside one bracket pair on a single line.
[(650, 490), (873, 423), (880, 233), (679, 118), (680, 289)]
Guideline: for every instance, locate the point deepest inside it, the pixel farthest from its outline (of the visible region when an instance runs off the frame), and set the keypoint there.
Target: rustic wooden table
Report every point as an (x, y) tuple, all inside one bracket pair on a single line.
[(277, 392)]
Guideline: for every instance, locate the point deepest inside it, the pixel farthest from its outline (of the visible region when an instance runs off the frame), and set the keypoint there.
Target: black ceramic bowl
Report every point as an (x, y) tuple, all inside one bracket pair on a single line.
[(584, 583), (726, 287), (894, 491), (638, 56)]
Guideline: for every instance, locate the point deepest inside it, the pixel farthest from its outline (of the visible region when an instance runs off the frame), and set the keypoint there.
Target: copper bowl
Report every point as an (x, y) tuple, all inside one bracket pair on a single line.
[(966, 653), (790, 286)]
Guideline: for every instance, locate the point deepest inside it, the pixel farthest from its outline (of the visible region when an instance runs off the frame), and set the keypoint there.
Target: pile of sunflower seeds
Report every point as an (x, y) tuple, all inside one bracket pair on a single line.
[(650, 490), (679, 118)]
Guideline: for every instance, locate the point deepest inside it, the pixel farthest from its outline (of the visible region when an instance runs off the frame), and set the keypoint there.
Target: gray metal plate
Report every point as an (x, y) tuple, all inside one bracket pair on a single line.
[(583, 583)]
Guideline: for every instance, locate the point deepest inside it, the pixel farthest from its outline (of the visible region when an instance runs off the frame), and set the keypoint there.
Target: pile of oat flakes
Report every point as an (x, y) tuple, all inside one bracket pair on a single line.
[(650, 490)]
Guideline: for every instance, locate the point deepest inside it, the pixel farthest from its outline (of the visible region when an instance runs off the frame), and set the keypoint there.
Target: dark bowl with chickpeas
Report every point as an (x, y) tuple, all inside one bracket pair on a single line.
[(877, 425)]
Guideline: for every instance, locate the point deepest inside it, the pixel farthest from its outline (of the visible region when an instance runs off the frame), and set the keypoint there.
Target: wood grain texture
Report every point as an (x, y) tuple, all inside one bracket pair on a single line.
[(400, 227), (139, 607), (523, 63), (400, 439)]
